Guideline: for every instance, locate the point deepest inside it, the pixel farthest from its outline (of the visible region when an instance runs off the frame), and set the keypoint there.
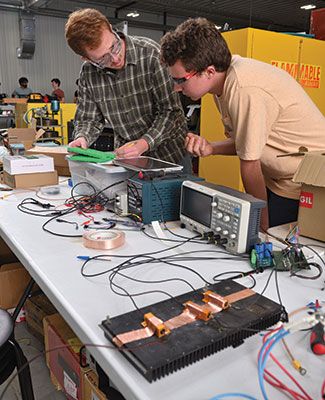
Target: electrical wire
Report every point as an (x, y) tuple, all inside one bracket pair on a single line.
[(147, 258), (240, 274), (313, 277), (44, 352), (271, 379), (226, 395), (263, 357)]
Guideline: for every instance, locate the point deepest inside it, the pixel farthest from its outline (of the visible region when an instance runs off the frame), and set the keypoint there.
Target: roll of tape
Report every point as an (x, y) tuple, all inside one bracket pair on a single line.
[(103, 240)]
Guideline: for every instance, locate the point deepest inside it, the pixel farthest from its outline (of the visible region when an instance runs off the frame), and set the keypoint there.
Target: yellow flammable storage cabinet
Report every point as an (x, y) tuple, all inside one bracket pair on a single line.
[(304, 58)]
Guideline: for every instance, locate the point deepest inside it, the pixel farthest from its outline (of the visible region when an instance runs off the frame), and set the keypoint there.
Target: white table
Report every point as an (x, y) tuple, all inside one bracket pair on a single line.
[(84, 303)]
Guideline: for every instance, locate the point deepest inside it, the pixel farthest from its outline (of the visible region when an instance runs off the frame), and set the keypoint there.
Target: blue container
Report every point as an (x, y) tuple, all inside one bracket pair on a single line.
[(55, 106)]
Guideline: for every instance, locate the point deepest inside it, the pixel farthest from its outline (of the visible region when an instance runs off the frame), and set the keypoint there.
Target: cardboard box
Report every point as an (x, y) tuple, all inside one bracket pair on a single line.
[(30, 180), (28, 164), (6, 255), (26, 136), (37, 307), (59, 155), (64, 362), (13, 281), (91, 390), (311, 216)]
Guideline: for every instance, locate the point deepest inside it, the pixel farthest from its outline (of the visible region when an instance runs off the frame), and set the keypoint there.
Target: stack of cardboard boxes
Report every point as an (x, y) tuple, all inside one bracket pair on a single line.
[(26, 138), (28, 171)]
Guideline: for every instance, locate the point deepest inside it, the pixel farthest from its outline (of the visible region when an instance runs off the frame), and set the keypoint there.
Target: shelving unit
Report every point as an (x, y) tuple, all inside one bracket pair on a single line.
[(52, 123), (67, 111)]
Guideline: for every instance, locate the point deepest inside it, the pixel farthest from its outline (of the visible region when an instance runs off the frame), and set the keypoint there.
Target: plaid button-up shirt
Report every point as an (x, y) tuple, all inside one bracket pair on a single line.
[(138, 101)]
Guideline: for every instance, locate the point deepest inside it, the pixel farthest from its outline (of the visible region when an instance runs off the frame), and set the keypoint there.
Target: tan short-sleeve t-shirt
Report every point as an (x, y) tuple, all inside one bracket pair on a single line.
[(268, 113)]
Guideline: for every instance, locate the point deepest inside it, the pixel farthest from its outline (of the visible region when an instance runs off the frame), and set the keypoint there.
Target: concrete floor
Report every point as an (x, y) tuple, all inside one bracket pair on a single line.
[(43, 387)]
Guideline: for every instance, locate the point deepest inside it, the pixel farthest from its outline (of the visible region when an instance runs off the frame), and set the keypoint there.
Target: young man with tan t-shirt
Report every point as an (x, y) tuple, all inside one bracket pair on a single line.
[(265, 113)]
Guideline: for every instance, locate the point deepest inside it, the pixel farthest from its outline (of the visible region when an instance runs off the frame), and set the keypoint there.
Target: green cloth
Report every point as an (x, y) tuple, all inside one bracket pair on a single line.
[(90, 155)]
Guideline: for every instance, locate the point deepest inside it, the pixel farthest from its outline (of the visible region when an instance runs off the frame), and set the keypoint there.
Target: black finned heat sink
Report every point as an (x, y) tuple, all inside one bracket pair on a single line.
[(154, 358)]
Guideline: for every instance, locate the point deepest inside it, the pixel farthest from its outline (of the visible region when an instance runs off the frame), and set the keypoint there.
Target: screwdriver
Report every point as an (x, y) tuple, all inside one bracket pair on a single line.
[(317, 339)]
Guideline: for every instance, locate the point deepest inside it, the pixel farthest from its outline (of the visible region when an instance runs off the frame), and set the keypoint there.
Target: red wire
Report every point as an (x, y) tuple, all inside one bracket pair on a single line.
[(290, 376), (286, 371), (281, 385), (323, 390)]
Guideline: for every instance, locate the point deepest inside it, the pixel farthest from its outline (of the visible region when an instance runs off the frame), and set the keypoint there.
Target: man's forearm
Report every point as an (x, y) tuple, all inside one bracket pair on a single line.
[(225, 147), (253, 180)]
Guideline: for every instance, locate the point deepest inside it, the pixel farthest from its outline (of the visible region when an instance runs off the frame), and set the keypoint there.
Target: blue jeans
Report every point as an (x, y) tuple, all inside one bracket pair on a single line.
[(281, 209)]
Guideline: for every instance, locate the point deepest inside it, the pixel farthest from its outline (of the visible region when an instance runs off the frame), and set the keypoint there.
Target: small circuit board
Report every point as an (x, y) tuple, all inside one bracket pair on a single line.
[(291, 258)]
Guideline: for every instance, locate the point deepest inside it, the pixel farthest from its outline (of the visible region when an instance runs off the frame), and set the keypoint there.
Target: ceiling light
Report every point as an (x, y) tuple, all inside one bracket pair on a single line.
[(308, 7), (133, 14)]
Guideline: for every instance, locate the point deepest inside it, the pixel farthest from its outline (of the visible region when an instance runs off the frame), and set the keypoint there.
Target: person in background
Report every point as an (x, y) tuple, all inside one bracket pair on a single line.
[(75, 97), (59, 93), (123, 82), (23, 91), (2, 95), (265, 113)]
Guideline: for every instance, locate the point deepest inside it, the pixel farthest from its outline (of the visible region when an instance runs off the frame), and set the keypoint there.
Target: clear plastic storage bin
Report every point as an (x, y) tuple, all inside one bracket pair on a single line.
[(99, 176)]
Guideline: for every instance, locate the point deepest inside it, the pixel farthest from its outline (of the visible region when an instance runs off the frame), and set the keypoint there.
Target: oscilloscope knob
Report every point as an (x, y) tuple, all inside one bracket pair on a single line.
[(225, 232), (226, 218), (219, 215)]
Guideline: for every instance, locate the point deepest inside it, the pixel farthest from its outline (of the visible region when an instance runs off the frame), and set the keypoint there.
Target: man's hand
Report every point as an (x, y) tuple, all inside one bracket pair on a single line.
[(80, 142), (197, 145), (132, 149)]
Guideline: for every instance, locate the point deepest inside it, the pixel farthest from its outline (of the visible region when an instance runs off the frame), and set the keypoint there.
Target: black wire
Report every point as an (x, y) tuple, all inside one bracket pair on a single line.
[(277, 283), (126, 264), (215, 278), (134, 261), (174, 240), (83, 203), (66, 212), (42, 210), (86, 345), (317, 266), (314, 251)]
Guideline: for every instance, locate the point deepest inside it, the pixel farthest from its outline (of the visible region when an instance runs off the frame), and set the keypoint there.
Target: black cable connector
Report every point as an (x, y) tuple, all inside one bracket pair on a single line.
[(209, 236), (43, 205)]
